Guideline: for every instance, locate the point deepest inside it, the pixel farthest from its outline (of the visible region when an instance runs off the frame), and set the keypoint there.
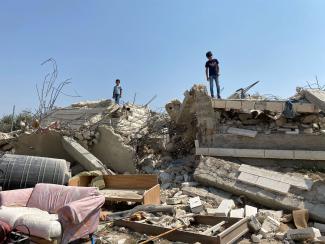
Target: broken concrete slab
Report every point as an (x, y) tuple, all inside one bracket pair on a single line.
[(225, 207), (315, 96), (112, 151), (83, 156), (303, 234), (242, 132), (266, 183), (223, 174), (269, 225), (298, 182)]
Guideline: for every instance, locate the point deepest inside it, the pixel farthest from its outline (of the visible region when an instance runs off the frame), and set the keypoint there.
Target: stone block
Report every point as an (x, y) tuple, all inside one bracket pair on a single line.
[(247, 105), (195, 205), (281, 154), (224, 207), (233, 104), (201, 151), (273, 185), (304, 108), (237, 213), (226, 152), (250, 211), (309, 155), (249, 153), (260, 105), (275, 106), (248, 178), (254, 224), (217, 103), (256, 238)]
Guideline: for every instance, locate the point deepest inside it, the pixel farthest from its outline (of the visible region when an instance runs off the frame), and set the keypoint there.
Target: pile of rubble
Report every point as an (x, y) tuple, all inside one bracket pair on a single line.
[(203, 173)]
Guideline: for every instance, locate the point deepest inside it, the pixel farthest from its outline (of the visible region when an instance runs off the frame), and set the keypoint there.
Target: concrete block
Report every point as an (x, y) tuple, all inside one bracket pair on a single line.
[(242, 132), (275, 106), (195, 204), (248, 178), (309, 155), (260, 105), (247, 105), (303, 234), (281, 154), (226, 152), (269, 225), (201, 151), (254, 224), (273, 185), (233, 104), (256, 238), (250, 211), (237, 213), (224, 207), (249, 153), (217, 103), (304, 107), (298, 182)]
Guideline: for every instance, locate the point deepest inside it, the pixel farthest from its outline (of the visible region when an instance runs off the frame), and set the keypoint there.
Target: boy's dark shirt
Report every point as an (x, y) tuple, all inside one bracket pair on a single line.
[(211, 64)]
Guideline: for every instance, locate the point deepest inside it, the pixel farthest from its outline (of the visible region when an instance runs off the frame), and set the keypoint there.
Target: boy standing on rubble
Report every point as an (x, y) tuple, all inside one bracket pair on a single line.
[(212, 72), (117, 91)]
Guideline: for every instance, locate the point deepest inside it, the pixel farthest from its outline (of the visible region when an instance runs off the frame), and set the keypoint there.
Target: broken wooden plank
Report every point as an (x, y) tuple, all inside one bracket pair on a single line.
[(236, 228)]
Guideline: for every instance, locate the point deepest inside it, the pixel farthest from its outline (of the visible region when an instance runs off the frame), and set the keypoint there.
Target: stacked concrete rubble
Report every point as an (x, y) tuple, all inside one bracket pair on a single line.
[(131, 138)]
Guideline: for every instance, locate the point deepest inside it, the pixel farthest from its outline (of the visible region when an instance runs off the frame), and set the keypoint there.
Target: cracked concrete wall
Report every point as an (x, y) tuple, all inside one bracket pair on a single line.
[(113, 152)]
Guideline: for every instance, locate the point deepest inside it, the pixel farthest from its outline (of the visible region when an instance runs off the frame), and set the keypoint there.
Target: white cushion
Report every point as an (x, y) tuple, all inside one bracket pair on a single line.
[(11, 214), (45, 227), (40, 223)]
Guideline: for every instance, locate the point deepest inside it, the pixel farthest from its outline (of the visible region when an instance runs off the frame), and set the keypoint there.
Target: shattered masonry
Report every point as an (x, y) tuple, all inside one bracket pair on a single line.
[(251, 166)]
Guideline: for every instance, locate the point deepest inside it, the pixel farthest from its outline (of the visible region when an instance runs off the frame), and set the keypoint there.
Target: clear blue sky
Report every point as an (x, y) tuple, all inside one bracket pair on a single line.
[(158, 47)]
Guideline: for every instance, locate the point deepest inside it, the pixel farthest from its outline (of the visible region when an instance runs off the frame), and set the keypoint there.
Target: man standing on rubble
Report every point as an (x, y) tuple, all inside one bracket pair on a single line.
[(117, 91), (212, 72)]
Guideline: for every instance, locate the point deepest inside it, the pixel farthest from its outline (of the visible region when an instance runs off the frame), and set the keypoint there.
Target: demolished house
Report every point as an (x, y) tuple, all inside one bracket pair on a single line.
[(237, 170)]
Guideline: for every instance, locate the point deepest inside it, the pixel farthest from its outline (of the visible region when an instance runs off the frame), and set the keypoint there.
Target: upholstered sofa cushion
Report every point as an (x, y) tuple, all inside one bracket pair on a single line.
[(39, 223), (11, 214), (51, 197)]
